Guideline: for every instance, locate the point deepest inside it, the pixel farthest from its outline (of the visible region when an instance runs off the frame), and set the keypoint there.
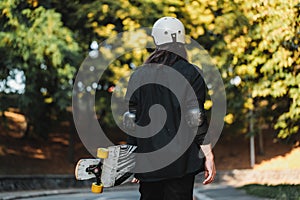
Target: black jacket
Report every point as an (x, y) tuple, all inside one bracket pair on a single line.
[(147, 95)]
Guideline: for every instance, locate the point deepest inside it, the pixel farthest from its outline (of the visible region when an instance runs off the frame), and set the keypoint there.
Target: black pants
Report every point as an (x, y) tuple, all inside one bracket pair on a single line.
[(171, 189)]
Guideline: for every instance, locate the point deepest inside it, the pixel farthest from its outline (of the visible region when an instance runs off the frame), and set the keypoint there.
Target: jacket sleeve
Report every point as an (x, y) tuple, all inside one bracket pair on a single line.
[(199, 87)]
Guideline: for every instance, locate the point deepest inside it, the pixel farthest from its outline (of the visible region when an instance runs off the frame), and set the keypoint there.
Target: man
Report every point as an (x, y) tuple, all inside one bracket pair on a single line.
[(176, 180)]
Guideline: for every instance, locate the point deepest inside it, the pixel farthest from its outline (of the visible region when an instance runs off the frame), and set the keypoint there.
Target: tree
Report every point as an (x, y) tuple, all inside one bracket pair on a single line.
[(248, 40), (35, 41), (262, 38), (255, 45)]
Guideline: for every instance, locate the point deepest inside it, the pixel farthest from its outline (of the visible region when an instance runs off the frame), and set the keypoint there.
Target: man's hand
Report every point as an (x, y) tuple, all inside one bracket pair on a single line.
[(135, 180), (210, 169)]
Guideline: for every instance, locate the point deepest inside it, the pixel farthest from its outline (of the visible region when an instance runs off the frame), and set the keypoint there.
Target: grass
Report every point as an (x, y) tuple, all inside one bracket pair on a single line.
[(282, 192)]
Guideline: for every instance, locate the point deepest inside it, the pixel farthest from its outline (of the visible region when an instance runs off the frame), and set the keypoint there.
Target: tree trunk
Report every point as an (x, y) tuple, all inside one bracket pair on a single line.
[(261, 150)]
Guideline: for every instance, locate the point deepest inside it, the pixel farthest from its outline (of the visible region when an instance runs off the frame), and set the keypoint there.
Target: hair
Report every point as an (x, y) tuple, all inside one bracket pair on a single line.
[(168, 54)]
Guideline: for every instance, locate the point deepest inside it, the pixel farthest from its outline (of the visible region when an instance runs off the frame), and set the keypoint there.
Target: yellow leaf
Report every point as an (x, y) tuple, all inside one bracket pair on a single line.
[(105, 8), (208, 104), (229, 118), (49, 100), (90, 15), (249, 104)]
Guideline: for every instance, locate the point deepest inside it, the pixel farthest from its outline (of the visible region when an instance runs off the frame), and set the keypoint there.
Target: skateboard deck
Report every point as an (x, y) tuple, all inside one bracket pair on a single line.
[(112, 168)]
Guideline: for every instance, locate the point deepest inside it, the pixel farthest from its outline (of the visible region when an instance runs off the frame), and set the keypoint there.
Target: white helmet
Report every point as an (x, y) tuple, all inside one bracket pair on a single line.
[(167, 30)]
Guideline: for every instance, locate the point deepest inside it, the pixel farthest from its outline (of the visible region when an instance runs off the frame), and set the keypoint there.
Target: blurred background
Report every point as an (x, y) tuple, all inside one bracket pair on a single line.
[(254, 44)]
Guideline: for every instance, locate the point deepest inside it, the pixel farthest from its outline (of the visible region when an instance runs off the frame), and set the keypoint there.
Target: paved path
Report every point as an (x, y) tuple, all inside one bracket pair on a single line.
[(210, 192)]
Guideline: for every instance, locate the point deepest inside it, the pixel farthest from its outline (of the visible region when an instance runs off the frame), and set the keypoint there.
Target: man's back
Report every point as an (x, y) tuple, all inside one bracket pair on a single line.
[(154, 93)]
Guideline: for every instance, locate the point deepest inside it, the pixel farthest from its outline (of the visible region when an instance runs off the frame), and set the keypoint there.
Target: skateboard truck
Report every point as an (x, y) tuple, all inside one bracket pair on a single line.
[(97, 187), (96, 171)]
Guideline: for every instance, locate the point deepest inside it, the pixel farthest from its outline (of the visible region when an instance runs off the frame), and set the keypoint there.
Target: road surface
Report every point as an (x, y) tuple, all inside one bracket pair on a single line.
[(210, 192), (116, 195)]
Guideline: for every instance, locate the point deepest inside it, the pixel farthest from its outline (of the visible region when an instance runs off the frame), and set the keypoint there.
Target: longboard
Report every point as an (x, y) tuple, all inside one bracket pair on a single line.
[(112, 167)]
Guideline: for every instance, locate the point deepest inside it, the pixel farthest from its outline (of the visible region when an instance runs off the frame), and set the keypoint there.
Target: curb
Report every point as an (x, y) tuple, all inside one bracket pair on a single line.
[(32, 194), (39, 182), (238, 178)]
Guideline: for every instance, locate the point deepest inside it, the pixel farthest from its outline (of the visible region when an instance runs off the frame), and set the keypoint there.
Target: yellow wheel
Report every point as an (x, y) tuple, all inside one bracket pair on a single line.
[(97, 188), (102, 153)]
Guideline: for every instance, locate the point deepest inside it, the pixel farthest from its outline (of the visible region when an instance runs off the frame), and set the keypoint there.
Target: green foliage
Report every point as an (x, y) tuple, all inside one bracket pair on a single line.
[(282, 192), (261, 42), (35, 41), (256, 41)]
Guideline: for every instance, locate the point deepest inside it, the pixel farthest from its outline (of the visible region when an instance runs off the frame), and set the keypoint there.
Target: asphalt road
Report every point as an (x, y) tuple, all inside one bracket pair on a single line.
[(211, 192)]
